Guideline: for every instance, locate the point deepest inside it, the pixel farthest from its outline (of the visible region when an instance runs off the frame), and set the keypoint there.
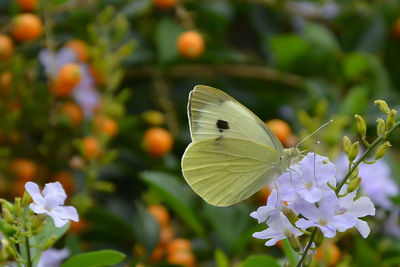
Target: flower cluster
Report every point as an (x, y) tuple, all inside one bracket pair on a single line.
[(305, 197)]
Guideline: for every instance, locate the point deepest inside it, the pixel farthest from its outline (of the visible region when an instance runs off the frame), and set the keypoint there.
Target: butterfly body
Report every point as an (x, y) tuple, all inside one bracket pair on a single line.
[(233, 154)]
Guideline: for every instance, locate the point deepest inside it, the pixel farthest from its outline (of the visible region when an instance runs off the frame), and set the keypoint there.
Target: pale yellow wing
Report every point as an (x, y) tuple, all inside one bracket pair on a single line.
[(214, 114), (228, 170)]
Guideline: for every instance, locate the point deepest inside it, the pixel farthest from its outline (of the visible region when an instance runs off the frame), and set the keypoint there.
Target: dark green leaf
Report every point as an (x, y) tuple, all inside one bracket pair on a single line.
[(146, 228), (95, 259), (261, 261), (167, 33)]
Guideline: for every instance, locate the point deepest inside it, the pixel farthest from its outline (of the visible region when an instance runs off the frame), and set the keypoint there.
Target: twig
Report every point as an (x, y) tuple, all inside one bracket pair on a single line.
[(210, 70)]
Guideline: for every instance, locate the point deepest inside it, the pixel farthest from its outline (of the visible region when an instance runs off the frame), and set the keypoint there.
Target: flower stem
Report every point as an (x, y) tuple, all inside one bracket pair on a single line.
[(367, 152), (28, 252)]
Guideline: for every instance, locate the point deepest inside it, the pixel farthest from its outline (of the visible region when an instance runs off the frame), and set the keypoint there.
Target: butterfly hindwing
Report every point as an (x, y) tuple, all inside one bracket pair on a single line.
[(214, 114), (228, 170)]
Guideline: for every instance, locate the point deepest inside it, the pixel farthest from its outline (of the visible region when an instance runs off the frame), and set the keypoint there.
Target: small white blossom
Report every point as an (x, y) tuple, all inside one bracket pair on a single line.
[(272, 207), (50, 202)]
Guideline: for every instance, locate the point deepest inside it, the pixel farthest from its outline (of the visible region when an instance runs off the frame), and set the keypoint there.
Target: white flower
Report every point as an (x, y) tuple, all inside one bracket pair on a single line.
[(359, 208), (50, 203), (53, 257), (279, 228)]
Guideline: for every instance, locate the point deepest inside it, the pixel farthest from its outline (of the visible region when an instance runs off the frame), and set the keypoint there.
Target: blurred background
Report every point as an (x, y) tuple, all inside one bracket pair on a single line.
[(93, 94)]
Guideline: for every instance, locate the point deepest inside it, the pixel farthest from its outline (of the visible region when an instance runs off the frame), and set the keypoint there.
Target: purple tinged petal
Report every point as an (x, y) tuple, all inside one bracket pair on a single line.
[(66, 213), (307, 209), (304, 224), (285, 186), (311, 195), (362, 207), (53, 257), (38, 209), (327, 231), (343, 222), (54, 194)]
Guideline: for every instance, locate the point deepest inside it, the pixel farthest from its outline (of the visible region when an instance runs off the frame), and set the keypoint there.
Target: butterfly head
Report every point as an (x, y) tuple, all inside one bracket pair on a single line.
[(289, 157)]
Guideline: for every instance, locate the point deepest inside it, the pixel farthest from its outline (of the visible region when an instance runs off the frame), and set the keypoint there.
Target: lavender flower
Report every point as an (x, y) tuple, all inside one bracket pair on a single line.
[(53, 257), (50, 202), (53, 61), (272, 208)]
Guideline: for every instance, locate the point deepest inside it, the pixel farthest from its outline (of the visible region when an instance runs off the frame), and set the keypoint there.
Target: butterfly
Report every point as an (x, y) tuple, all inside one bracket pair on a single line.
[(233, 153)]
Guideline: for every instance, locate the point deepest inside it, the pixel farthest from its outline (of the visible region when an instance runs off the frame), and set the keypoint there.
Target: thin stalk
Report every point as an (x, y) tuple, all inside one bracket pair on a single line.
[(367, 152), (28, 252)]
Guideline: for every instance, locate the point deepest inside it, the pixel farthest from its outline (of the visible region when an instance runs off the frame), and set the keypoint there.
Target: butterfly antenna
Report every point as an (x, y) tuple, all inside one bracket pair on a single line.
[(322, 126)]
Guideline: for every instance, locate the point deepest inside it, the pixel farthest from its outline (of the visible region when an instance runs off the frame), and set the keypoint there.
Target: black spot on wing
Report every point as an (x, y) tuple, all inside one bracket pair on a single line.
[(222, 125)]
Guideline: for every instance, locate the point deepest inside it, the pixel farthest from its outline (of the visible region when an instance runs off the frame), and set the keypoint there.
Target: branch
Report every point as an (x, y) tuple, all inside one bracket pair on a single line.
[(212, 70)]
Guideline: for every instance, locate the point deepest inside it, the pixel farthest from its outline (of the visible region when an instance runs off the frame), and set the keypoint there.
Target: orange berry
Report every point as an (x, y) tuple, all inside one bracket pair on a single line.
[(91, 147), (78, 227), (160, 213), (73, 113), (157, 141), (157, 254), (80, 49), (98, 75), (69, 75), (5, 82), (66, 180), (280, 128), (23, 169), (263, 194), (182, 258), (329, 253), (179, 245), (26, 27), (166, 235), (27, 5), (6, 47), (107, 126), (396, 28), (164, 4), (190, 44)]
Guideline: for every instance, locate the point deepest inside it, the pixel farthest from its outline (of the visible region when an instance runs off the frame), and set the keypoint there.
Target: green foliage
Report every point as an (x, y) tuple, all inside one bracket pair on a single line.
[(95, 259)]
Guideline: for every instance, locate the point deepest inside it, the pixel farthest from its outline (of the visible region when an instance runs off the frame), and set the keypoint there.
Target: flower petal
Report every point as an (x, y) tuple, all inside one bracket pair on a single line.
[(54, 194), (363, 228), (362, 207), (66, 213), (34, 191)]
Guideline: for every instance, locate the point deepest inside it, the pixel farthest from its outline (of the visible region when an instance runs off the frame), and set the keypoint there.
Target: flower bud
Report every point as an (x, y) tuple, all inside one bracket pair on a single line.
[(391, 119), (7, 215), (50, 242), (380, 128), (354, 174), (289, 213), (361, 126), (382, 149), (37, 221), (9, 230), (17, 206), (383, 106), (9, 249), (318, 238), (294, 242), (7, 205), (353, 185), (308, 259), (287, 264), (346, 145), (353, 152), (26, 199)]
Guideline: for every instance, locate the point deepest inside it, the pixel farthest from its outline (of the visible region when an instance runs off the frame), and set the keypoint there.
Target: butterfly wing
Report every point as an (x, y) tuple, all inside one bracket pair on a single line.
[(214, 114), (228, 170)]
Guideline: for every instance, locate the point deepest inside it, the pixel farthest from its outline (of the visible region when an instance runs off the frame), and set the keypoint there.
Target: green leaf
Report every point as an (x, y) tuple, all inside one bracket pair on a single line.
[(229, 223), (287, 49), (355, 101), (95, 259), (174, 193), (37, 241), (221, 259), (167, 33), (321, 37), (261, 261), (355, 65), (145, 227)]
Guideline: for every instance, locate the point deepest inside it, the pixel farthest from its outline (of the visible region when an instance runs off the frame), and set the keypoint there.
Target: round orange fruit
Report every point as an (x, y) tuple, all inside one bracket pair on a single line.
[(190, 44), (164, 4), (91, 147), (69, 75), (157, 141), (23, 169), (179, 245), (107, 126), (80, 49), (186, 259), (27, 5), (6, 47), (160, 213), (166, 235), (26, 27), (329, 253), (280, 128), (73, 113)]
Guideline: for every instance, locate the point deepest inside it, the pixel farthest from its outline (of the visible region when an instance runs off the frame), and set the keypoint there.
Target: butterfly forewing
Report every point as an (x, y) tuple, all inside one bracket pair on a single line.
[(228, 170), (214, 114)]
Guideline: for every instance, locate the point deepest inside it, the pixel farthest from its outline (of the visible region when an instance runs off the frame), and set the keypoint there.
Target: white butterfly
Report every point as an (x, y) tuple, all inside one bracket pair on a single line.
[(233, 154)]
